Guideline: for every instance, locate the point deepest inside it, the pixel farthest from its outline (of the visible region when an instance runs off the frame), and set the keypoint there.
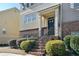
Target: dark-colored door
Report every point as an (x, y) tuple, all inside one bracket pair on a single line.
[(51, 26)]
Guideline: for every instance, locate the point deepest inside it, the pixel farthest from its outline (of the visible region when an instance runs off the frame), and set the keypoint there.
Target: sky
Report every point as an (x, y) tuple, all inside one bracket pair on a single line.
[(4, 6)]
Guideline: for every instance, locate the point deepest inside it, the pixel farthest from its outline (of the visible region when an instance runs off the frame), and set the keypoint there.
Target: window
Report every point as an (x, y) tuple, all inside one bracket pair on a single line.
[(29, 18), (24, 6), (32, 4), (27, 4), (74, 5)]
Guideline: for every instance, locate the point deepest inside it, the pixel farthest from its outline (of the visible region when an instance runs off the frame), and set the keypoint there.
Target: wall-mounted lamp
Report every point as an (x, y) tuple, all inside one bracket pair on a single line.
[(4, 31)]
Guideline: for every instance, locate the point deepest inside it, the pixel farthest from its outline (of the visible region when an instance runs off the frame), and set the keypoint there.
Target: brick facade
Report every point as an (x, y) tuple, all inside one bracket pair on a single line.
[(32, 32), (69, 27)]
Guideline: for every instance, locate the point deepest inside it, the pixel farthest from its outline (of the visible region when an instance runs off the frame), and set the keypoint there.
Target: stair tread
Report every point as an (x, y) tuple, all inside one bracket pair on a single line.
[(38, 50), (36, 53)]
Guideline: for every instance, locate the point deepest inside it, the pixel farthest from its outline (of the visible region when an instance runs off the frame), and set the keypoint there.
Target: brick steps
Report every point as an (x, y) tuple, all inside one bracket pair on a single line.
[(41, 47), (37, 53), (40, 41), (38, 50), (40, 44)]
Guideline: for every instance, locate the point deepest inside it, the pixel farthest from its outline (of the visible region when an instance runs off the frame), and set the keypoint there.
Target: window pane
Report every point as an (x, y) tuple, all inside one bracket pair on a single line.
[(34, 18), (32, 3), (27, 4), (76, 5), (25, 19), (29, 19)]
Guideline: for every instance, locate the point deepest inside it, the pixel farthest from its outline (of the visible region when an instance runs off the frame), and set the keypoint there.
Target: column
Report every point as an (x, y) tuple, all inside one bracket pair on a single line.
[(56, 21), (39, 18)]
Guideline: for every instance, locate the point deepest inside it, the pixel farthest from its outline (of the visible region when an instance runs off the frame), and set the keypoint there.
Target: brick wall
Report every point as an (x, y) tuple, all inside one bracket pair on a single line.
[(69, 27), (30, 32), (33, 32)]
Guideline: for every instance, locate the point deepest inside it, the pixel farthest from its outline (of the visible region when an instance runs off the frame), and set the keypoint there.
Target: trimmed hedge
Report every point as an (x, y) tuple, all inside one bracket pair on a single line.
[(27, 45), (74, 44), (55, 48), (12, 44), (67, 41), (19, 42)]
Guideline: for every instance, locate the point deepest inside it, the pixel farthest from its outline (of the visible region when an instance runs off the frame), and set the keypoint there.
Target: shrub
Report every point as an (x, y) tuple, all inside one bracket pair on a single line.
[(55, 48), (33, 43), (12, 44), (24, 39), (19, 42), (27, 45), (67, 41), (74, 43)]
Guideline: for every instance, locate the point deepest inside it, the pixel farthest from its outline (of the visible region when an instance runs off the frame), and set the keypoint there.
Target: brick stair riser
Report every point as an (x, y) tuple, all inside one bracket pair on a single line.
[(41, 41), (40, 44), (38, 47), (41, 47), (37, 53), (38, 50)]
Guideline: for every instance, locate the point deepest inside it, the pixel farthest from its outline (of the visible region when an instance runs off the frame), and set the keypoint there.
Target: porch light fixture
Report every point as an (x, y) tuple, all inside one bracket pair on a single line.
[(4, 31)]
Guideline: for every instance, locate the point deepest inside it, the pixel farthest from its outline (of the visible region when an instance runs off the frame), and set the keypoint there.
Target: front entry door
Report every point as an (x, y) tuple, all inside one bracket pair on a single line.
[(51, 26)]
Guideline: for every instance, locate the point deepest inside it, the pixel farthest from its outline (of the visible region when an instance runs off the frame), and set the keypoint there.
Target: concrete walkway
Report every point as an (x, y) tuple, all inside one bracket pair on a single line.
[(6, 51)]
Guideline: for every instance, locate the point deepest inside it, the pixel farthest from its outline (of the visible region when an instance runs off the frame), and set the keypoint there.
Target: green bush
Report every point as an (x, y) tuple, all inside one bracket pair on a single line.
[(27, 45), (12, 44), (19, 42), (33, 43), (74, 43), (67, 41), (55, 48)]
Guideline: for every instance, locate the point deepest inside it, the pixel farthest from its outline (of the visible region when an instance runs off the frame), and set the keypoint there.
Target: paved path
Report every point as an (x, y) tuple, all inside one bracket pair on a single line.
[(11, 54), (6, 51)]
